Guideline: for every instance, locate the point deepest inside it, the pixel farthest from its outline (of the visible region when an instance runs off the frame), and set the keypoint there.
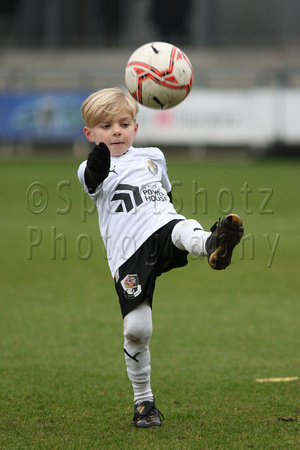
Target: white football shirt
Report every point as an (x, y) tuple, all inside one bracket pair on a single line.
[(132, 202)]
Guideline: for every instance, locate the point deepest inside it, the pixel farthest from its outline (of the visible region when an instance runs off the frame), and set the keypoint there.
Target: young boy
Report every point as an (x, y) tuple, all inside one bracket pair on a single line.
[(143, 234)]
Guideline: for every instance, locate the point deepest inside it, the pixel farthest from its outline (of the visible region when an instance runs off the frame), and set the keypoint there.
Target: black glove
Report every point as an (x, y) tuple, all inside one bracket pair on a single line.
[(97, 167)]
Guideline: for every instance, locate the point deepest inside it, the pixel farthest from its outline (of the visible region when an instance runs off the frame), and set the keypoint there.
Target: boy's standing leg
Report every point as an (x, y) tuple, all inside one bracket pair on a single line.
[(137, 334)]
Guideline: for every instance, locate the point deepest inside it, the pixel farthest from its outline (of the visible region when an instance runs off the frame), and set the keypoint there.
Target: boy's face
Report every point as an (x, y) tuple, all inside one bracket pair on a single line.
[(117, 133)]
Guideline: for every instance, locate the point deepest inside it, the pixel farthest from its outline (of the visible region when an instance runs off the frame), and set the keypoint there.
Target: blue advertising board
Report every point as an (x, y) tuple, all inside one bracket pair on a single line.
[(42, 116)]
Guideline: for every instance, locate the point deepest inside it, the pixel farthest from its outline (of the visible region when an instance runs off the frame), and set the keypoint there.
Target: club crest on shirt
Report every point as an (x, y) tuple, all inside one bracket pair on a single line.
[(131, 286), (152, 167)]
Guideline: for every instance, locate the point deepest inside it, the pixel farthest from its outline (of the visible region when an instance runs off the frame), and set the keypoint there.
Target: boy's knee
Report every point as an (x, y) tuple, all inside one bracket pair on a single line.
[(138, 325), (137, 333)]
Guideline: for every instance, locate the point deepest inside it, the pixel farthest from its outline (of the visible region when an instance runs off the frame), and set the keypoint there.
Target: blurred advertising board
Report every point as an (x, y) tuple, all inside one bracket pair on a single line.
[(254, 117), (41, 116)]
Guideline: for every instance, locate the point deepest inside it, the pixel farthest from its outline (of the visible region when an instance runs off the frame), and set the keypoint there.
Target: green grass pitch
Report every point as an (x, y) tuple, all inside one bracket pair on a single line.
[(63, 382)]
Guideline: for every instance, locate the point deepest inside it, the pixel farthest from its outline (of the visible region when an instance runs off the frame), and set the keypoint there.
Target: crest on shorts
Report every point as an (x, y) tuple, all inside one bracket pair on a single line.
[(152, 167), (131, 286)]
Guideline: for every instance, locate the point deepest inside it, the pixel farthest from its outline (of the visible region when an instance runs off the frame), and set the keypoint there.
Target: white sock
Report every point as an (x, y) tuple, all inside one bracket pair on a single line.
[(137, 334), (189, 235)]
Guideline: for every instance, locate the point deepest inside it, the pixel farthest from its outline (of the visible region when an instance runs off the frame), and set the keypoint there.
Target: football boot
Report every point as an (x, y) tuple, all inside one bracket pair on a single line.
[(224, 237), (146, 415)]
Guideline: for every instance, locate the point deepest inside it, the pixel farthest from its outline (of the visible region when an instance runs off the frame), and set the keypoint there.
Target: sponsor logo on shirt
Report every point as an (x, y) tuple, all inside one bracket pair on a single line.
[(153, 194), (127, 197)]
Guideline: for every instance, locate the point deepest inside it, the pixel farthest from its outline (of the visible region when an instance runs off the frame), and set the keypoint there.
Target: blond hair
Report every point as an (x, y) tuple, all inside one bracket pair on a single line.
[(102, 105)]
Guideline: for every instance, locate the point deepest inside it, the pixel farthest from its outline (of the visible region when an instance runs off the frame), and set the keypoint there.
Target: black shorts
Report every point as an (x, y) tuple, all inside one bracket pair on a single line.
[(135, 279)]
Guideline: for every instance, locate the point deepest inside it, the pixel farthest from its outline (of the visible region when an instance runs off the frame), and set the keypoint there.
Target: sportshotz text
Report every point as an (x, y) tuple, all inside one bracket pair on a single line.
[(49, 234)]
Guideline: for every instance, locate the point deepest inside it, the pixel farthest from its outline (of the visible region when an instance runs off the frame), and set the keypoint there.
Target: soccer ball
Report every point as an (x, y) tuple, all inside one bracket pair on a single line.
[(159, 75)]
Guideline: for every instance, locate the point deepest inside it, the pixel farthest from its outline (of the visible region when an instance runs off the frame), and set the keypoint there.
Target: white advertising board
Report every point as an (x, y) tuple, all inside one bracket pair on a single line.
[(253, 117)]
